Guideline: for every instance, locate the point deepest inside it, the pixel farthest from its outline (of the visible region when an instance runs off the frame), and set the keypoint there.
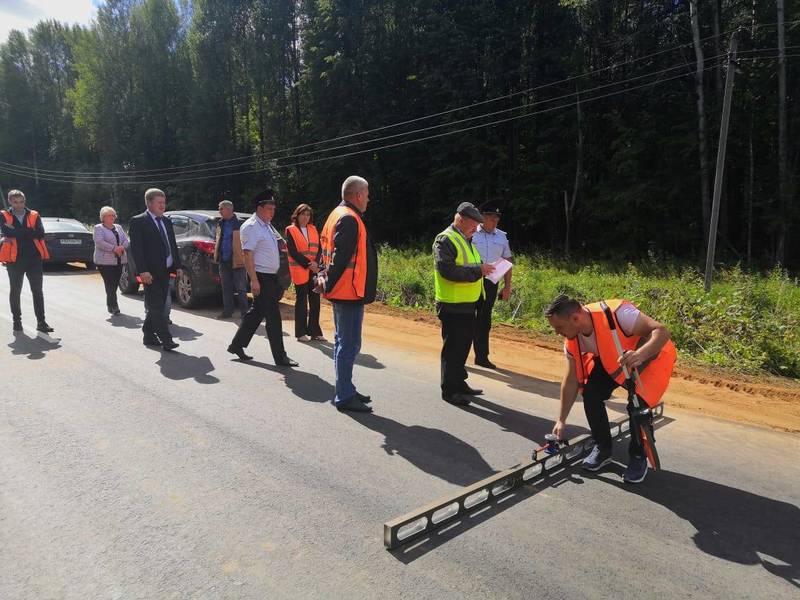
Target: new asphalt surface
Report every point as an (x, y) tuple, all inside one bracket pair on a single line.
[(128, 472)]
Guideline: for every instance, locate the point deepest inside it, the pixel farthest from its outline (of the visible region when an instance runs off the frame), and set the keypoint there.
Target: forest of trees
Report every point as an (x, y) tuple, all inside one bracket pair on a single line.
[(595, 122)]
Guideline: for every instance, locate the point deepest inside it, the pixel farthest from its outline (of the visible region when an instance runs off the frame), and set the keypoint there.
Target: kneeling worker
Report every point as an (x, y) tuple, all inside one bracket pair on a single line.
[(594, 367), (458, 280)]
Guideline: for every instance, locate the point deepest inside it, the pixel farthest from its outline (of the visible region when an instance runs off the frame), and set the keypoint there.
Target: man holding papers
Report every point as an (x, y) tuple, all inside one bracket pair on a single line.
[(458, 280), (492, 244)]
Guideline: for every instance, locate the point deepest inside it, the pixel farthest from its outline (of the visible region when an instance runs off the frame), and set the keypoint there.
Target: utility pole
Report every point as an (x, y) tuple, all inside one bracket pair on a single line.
[(723, 141)]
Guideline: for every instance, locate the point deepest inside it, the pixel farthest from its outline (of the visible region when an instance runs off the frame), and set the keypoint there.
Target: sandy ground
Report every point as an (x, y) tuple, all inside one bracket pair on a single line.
[(532, 360)]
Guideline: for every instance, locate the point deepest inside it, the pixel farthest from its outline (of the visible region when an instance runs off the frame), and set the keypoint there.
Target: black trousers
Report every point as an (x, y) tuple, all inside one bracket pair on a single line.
[(597, 390), (306, 310), (17, 271), (265, 307), (457, 333), (155, 297), (483, 320), (110, 275)]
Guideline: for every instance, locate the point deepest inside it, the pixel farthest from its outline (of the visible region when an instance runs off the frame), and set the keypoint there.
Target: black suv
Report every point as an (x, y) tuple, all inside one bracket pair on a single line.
[(195, 232)]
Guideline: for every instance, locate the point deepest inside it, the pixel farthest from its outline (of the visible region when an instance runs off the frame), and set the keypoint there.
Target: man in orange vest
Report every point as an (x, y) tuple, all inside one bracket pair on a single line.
[(22, 250), (595, 368), (349, 281)]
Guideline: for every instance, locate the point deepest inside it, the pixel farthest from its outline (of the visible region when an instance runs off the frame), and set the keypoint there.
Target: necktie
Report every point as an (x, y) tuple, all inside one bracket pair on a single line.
[(163, 233)]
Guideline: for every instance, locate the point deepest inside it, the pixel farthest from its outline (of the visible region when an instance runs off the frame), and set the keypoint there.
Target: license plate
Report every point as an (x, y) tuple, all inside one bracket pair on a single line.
[(71, 242)]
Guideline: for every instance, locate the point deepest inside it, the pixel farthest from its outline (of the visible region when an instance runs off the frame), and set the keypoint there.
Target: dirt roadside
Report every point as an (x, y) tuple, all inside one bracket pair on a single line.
[(766, 402)]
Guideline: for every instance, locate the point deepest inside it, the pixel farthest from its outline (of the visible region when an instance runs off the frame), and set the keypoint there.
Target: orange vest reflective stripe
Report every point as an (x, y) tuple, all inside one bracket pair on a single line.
[(352, 283), (654, 374), (307, 247), (8, 249)]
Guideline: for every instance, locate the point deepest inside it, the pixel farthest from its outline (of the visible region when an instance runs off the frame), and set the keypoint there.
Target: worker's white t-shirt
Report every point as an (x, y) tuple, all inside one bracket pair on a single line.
[(627, 314)]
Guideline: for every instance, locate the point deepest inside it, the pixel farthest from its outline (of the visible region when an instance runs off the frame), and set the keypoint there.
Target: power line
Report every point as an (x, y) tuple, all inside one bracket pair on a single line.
[(373, 140), (375, 149), (112, 179), (251, 158)]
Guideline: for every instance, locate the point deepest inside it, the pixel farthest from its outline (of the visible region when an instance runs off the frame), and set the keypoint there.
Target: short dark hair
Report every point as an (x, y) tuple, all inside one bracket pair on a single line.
[(562, 306)]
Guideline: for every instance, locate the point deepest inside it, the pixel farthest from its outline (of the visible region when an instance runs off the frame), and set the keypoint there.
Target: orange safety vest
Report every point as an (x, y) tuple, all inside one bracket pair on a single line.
[(8, 249), (353, 282), (654, 374), (307, 247)]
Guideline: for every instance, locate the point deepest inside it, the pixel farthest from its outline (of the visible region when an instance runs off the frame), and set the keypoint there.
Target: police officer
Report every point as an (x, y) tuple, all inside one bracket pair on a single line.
[(492, 244), (458, 281)]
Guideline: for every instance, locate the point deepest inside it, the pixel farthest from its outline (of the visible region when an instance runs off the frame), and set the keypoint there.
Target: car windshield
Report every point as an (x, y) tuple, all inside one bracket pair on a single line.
[(55, 226)]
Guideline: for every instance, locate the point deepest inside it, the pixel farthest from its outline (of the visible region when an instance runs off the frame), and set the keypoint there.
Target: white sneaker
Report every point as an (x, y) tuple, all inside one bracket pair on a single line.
[(304, 338)]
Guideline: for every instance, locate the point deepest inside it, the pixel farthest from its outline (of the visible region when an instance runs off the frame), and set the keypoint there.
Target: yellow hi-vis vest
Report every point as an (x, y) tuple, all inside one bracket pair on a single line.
[(456, 292)]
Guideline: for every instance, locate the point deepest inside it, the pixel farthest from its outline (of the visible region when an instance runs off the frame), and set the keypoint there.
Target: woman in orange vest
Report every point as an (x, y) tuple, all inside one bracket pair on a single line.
[(595, 368), (302, 240), (22, 250)]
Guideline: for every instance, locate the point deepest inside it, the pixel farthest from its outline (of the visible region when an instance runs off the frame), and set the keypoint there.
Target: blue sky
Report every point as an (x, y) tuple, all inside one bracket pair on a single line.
[(24, 14)]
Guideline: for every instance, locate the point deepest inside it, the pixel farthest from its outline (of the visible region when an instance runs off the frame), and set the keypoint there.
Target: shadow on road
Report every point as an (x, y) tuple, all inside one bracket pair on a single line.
[(304, 385), (184, 334), (515, 421), (125, 321), (66, 270), (433, 451), (518, 381), (179, 366), (731, 524), (362, 360), (34, 347)]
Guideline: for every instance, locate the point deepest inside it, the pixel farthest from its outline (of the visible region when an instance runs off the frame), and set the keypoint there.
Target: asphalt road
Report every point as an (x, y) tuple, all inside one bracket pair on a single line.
[(126, 472)]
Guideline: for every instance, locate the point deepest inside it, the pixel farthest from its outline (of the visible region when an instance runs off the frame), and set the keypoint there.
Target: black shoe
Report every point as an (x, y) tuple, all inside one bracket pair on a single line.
[(471, 391), (286, 362), (44, 327), (17, 325), (363, 399), (457, 399), (485, 362), (224, 315), (239, 351), (151, 340), (169, 345), (353, 405)]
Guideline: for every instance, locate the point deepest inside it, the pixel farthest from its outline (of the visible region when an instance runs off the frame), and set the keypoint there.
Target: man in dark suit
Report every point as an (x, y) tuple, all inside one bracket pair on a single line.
[(156, 256)]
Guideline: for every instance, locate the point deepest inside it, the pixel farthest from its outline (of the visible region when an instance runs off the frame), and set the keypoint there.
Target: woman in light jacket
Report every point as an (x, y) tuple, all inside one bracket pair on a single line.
[(110, 243)]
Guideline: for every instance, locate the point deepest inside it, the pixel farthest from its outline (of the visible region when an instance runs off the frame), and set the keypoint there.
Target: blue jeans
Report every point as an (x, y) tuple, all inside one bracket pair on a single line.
[(233, 281), (347, 318)]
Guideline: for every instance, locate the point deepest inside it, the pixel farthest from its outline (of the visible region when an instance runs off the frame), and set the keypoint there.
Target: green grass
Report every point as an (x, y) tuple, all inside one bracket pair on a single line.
[(749, 322)]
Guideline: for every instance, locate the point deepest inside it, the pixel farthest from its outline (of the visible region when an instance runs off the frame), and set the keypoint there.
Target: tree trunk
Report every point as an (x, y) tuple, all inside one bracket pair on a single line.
[(702, 133), (569, 204), (783, 182), (750, 193)]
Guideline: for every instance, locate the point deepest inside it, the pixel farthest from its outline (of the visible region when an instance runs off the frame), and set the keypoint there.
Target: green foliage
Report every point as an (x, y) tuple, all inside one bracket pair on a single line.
[(750, 322), (291, 85)]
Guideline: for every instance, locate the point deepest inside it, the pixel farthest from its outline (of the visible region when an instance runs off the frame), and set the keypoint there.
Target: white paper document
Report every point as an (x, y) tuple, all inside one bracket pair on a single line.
[(501, 267)]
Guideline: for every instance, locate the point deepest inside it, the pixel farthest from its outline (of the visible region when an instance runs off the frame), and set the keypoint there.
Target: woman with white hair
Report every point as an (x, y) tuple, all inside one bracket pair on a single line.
[(110, 243)]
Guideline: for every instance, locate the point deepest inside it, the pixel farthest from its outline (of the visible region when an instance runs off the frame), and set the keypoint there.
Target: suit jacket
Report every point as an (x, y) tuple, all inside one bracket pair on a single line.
[(148, 249)]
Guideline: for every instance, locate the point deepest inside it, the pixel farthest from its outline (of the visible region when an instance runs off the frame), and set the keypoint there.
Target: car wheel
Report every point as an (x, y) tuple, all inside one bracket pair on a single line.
[(127, 282), (185, 294)]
